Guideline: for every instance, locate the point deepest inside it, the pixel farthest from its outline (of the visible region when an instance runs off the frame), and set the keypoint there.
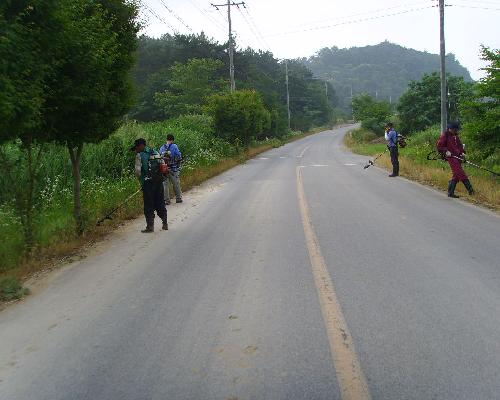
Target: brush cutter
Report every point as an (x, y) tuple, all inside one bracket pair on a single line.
[(372, 162), (435, 156), (109, 215)]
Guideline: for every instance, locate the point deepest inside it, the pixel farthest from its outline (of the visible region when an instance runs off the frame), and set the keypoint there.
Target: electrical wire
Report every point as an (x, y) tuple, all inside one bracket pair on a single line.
[(252, 21), (357, 21), (252, 29), (379, 10), (473, 7), (207, 15), (495, 2), (159, 18), (164, 4)]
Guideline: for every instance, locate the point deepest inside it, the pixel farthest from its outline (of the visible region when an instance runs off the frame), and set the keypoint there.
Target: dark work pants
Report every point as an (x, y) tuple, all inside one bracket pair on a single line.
[(394, 159), (153, 200)]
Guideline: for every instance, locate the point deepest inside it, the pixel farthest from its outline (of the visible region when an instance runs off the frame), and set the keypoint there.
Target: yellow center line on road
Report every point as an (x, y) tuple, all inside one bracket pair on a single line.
[(352, 382)]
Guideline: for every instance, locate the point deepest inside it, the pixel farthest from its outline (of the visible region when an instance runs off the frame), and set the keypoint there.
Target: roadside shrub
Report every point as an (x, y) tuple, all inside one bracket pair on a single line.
[(363, 135), (373, 114), (239, 116)]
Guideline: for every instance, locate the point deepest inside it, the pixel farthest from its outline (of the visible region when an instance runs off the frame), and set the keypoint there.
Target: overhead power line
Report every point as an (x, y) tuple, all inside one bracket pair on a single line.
[(350, 22), (164, 4), (349, 16), (473, 7), (160, 18), (206, 14), (251, 28), (252, 22)]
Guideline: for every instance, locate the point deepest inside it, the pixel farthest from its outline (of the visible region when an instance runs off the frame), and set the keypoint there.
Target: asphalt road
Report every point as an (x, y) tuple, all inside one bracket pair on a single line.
[(298, 275)]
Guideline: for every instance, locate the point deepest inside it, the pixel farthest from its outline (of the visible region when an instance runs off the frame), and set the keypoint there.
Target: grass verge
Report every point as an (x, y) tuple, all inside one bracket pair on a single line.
[(70, 248), (414, 166)]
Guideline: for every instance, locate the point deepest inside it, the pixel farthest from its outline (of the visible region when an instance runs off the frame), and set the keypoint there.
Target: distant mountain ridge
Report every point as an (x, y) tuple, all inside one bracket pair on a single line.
[(383, 70)]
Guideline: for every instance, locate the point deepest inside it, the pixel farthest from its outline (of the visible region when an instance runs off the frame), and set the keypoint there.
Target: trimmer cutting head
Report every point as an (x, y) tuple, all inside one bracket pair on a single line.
[(370, 163)]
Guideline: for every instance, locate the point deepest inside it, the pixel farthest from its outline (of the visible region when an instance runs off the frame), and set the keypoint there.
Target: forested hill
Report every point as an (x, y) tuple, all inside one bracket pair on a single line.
[(384, 69)]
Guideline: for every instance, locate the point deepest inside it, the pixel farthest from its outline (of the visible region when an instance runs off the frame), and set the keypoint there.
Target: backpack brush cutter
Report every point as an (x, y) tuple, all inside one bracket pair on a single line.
[(372, 162), (436, 156), (109, 214), (401, 143)]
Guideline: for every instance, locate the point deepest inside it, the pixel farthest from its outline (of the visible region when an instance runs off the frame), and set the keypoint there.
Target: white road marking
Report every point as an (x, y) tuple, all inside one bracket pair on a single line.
[(350, 164), (303, 151)]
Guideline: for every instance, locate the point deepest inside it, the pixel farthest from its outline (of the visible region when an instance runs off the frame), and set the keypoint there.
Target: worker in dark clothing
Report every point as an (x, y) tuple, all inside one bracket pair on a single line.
[(148, 170), (450, 146), (391, 136)]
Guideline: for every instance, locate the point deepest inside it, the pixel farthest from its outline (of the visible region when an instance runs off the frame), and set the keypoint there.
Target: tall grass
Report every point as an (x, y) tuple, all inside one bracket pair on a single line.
[(107, 179)]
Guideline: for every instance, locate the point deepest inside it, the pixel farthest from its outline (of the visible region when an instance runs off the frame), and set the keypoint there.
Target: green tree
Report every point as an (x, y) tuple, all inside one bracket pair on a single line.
[(482, 111), (91, 89), (420, 106), (239, 116), (27, 31), (372, 114), (255, 70), (155, 57), (189, 86), (309, 104)]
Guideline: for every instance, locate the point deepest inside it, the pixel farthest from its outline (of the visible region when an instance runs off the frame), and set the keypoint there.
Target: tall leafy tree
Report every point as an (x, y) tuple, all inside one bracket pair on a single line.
[(155, 57), (190, 84), (255, 70), (91, 89), (309, 104), (27, 33), (420, 106), (482, 111)]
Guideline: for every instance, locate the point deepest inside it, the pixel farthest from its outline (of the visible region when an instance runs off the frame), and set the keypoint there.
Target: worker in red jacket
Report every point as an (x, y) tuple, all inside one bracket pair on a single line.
[(453, 150)]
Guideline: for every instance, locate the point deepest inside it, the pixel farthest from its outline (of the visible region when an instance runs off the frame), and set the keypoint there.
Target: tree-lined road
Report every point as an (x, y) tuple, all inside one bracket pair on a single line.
[(298, 275)]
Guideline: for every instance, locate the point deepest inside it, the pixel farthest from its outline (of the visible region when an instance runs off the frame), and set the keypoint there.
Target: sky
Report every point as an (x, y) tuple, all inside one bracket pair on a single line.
[(292, 29)]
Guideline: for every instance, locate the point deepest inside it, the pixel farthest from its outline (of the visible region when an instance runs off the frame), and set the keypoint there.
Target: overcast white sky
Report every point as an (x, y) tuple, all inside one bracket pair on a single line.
[(299, 28)]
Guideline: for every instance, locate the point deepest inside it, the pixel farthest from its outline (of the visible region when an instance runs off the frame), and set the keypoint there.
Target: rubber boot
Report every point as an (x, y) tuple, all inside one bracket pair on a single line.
[(164, 225), (451, 189), (150, 226), (469, 187)]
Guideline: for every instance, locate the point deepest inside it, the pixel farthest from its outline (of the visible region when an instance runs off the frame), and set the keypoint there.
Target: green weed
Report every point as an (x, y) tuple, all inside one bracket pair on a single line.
[(12, 289)]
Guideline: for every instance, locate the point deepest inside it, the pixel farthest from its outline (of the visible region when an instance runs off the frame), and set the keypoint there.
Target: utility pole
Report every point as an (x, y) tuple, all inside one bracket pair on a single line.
[(229, 4), (326, 90), (352, 107), (287, 92), (444, 111)]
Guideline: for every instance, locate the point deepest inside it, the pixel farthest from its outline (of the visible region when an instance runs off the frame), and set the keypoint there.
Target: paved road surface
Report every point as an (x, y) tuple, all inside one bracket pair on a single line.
[(235, 301)]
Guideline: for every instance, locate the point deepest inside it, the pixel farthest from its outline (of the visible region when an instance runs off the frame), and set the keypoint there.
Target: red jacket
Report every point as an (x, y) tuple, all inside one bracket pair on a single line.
[(451, 143)]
